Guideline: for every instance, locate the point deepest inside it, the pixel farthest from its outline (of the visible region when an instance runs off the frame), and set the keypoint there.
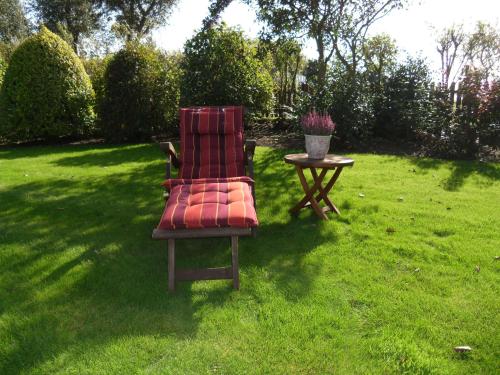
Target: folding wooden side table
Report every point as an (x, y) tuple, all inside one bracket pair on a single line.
[(317, 192)]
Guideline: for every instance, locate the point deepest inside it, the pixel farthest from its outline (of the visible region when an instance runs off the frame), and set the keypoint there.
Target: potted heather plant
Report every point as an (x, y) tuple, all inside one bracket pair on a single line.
[(318, 129)]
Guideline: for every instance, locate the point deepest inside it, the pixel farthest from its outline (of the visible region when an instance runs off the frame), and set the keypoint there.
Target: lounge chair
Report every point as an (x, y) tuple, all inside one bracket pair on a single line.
[(214, 193)]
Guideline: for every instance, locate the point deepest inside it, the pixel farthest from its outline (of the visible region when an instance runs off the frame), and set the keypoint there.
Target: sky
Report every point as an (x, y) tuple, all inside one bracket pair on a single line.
[(411, 27)]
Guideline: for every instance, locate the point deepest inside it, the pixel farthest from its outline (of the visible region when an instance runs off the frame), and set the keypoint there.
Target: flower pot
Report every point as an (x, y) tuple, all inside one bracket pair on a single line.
[(317, 146)]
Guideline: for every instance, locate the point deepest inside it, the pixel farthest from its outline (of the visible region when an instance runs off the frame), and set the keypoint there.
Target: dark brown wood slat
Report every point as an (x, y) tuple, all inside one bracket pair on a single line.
[(163, 234), (171, 265), (204, 274), (234, 263)]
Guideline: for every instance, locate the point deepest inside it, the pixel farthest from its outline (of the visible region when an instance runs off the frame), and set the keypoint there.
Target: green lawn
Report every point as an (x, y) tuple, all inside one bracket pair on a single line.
[(390, 286)]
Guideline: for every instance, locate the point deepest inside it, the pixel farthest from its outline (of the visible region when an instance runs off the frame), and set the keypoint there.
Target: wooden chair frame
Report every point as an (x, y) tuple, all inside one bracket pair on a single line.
[(232, 272)]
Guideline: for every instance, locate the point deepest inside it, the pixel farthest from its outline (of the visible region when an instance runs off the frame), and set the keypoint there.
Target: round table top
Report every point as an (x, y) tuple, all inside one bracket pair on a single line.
[(330, 161)]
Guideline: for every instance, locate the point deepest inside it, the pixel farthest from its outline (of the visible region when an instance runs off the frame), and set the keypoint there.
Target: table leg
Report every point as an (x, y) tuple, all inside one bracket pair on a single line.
[(310, 191), (323, 191)]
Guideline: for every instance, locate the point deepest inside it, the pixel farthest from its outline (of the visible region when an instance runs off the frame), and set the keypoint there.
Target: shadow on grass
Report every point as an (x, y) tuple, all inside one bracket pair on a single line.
[(460, 170), (79, 265)]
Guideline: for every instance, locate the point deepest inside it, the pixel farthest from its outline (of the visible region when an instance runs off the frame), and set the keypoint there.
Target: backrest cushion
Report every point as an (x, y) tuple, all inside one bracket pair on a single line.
[(211, 142)]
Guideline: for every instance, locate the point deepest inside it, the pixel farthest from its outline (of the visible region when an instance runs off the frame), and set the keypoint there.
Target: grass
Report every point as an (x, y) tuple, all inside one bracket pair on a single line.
[(390, 286)]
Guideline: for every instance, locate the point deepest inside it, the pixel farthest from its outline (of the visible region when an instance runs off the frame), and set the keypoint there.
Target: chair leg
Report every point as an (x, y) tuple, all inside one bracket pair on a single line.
[(171, 265), (235, 266)]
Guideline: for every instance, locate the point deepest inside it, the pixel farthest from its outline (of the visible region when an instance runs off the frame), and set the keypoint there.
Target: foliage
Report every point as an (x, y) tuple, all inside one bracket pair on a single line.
[(71, 19), (489, 115), (221, 67), (379, 53), (135, 19), (97, 43), (347, 99), (96, 69), (13, 22), (351, 105), (484, 50), (3, 67), (215, 10), (170, 88), (338, 28), (478, 50), (141, 94), (46, 92), (406, 104), (466, 119), (286, 64), (84, 290)]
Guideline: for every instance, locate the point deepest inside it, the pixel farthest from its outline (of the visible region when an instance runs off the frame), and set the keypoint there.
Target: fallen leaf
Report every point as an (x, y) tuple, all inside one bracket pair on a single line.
[(462, 349), (478, 269)]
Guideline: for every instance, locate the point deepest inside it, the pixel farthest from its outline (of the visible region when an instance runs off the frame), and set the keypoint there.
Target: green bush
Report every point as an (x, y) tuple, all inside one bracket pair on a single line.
[(46, 92), (220, 67), (169, 86), (141, 94), (96, 68), (489, 116), (405, 105)]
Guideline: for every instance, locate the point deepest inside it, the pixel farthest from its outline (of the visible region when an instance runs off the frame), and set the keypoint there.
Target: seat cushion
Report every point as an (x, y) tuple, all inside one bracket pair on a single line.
[(209, 203)]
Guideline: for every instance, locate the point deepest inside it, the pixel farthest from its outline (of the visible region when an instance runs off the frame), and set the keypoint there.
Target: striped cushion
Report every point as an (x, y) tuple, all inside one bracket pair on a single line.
[(211, 142), (209, 203)]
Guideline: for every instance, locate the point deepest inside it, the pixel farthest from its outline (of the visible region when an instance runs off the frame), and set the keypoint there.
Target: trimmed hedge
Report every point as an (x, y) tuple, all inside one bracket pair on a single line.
[(46, 92), (96, 69), (141, 94), (221, 67)]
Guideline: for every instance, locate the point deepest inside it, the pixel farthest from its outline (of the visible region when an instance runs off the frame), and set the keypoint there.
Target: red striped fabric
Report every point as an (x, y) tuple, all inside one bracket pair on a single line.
[(209, 203), (211, 142)]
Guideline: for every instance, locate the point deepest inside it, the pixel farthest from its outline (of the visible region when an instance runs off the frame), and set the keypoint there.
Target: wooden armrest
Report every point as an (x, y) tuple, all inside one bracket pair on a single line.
[(249, 153), (249, 149), (169, 150)]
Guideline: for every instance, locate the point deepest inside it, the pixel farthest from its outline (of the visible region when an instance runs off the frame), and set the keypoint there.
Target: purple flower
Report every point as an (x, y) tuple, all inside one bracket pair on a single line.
[(317, 124)]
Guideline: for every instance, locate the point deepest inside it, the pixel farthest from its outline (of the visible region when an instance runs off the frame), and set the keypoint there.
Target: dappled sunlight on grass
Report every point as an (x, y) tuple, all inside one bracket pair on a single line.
[(388, 286)]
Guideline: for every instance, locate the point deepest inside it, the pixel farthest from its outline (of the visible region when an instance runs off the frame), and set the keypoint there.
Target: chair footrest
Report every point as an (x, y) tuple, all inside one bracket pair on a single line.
[(204, 273)]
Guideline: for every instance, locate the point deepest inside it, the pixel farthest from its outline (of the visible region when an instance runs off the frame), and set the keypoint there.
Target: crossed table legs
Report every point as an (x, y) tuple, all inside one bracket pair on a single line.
[(322, 192)]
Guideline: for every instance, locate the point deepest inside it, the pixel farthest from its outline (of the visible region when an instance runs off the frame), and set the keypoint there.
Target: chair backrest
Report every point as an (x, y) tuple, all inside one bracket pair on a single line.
[(211, 142)]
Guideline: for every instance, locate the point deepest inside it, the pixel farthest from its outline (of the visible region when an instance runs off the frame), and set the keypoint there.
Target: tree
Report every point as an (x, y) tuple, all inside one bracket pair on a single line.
[(14, 26), (13, 22), (137, 18), (69, 18), (483, 49), (450, 43), (338, 27), (287, 63), (221, 67), (379, 54), (214, 11), (478, 50)]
